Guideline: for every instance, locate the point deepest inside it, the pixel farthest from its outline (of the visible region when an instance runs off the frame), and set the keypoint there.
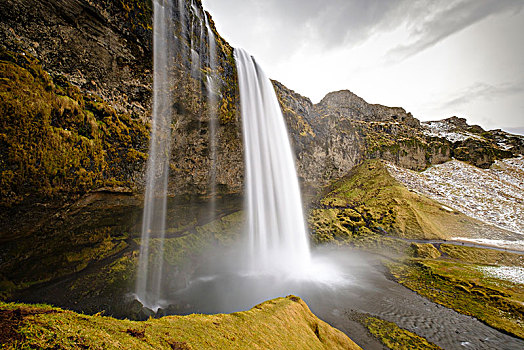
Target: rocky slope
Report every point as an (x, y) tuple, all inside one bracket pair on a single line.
[(333, 136), (492, 195), (372, 199)]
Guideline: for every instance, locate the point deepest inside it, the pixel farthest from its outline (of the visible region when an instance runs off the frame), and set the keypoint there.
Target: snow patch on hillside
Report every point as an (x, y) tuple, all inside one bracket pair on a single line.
[(513, 274), (446, 130), (494, 196)]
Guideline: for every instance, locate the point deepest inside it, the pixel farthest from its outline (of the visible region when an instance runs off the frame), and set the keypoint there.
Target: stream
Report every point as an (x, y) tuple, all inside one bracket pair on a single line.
[(365, 289)]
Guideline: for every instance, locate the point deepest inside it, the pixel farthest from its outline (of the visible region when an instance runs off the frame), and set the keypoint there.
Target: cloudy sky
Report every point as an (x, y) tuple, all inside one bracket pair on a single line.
[(434, 58)]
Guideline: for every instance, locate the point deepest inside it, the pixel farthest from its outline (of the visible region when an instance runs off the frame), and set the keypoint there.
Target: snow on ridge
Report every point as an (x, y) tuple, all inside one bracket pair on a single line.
[(494, 196), (445, 130)]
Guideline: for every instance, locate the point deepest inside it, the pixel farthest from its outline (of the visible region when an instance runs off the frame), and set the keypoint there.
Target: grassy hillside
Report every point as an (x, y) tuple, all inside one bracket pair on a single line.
[(283, 323), (369, 200)]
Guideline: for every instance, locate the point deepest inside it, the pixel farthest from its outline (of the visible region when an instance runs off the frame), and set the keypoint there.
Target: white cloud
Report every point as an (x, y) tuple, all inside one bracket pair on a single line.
[(420, 55)]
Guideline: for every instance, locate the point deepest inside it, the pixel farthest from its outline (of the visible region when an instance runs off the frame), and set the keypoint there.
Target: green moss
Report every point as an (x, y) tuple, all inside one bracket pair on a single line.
[(42, 263), (181, 251), (370, 197), (327, 227), (138, 12), (55, 139), (386, 246), (386, 138), (114, 279), (227, 110), (283, 323), (396, 338), (225, 230), (482, 256)]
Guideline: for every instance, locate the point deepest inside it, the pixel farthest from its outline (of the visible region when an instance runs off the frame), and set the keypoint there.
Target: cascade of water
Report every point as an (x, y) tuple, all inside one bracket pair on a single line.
[(195, 57), (148, 285), (278, 239), (182, 22), (212, 113)]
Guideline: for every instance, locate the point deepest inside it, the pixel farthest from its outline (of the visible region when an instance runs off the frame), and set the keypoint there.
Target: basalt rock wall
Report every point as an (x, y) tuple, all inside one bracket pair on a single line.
[(103, 51)]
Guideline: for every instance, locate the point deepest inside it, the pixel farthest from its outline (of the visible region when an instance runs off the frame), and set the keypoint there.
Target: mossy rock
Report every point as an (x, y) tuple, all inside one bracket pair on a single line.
[(482, 256), (396, 338), (54, 139), (425, 250)]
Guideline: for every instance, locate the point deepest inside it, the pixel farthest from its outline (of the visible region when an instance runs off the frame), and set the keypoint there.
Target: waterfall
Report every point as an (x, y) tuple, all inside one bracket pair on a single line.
[(212, 114), (278, 239), (148, 285), (182, 31), (195, 56)]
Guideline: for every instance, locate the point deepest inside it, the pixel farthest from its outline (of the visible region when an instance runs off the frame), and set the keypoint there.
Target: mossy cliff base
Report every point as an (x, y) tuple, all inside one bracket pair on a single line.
[(83, 255), (283, 323)]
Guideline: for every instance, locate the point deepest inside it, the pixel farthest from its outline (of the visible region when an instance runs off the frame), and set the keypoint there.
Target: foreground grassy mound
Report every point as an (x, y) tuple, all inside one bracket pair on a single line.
[(459, 281), (369, 200), (283, 323)]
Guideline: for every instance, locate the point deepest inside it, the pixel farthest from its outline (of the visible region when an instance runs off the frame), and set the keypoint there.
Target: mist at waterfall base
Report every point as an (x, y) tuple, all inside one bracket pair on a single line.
[(274, 259)]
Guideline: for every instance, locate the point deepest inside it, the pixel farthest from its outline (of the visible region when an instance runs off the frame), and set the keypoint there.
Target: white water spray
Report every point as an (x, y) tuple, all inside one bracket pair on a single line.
[(278, 241), (150, 269)]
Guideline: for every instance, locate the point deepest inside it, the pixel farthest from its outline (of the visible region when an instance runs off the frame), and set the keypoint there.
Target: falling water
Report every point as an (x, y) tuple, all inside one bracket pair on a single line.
[(212, 113), (278, 239), (195, 57), (148, 285), (182, 22)]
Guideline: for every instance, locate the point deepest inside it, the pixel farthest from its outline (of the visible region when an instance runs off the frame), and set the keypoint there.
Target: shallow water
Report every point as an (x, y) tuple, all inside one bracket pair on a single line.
[(364, 288)]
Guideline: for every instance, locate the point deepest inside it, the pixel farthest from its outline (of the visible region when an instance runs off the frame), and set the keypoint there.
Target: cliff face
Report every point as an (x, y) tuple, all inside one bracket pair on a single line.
[(103, 47), (103, 51), (99, 54), (75, 109), (326, 147)]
